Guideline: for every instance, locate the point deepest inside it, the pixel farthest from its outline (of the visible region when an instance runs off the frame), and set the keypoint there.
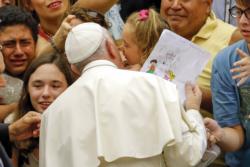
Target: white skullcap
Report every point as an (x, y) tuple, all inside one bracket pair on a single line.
[(82, 41)]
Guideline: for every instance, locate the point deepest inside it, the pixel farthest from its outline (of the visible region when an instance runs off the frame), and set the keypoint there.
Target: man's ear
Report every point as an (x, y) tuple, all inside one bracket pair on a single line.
[(75, 70), (209, 6), (111, 49)]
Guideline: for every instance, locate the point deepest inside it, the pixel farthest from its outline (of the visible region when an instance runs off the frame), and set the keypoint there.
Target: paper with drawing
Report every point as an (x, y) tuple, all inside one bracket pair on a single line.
[(176, 59)]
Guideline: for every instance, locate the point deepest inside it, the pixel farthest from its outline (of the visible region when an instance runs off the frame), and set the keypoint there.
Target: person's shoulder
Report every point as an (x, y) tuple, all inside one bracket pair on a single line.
[(153, 79), (229, 53), (152, 84), (223, 30), (224, 25)]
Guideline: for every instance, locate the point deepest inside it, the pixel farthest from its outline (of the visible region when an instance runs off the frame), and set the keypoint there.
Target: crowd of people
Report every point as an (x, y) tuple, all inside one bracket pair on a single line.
[(71, 94)]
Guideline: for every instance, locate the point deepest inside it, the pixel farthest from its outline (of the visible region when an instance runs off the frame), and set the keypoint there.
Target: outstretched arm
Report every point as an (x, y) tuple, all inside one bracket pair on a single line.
[(58, 41), (228, 138), (25, 127), (190, 150)]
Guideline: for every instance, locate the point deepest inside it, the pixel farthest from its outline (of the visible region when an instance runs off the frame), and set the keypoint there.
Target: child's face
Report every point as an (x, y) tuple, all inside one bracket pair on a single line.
[(130, 49)]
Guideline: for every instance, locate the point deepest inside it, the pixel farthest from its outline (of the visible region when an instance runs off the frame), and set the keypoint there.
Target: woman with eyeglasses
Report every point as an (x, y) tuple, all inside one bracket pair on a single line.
[(231, 94)]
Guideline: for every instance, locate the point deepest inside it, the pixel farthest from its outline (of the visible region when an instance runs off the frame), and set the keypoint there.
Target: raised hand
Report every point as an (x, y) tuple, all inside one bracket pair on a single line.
[(241, 67)]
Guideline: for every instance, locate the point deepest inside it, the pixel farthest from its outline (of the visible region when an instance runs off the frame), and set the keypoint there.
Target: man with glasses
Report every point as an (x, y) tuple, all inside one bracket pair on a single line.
[(18, 35), (22, 129), (230, 93)]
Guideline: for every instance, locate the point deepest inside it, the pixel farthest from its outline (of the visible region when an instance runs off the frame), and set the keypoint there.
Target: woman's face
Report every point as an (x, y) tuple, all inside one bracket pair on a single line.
[(46, 83), (49, 9)]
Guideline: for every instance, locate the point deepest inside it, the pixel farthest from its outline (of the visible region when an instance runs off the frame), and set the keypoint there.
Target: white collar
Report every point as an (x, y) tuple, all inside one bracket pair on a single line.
[(97, 63)]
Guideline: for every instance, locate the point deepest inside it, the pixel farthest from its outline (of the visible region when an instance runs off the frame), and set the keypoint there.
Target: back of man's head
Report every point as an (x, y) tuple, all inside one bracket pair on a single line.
[(83, 41), (88, 42), (11, 15)]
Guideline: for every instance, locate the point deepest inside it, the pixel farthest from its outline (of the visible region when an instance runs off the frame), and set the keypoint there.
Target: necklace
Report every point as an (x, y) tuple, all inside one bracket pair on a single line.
[(47, 36)]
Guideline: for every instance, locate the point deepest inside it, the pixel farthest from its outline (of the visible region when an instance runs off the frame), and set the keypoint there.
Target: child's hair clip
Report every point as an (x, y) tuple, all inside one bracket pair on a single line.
[(143, 14)]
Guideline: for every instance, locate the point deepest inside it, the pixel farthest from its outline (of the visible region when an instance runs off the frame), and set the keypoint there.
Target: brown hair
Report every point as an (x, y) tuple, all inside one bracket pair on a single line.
[(147, 31), (88, 15), (52, 58)]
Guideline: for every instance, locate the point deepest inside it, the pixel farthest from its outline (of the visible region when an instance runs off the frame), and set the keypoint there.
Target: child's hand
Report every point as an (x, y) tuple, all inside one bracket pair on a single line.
[(242, 67)]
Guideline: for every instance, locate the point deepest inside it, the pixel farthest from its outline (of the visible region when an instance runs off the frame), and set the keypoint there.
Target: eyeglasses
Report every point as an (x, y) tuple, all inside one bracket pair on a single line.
[(11, 44), (237, 12)]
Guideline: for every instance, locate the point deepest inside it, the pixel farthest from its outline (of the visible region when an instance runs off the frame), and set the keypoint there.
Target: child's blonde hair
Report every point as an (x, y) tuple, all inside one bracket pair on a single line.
[(147, 26)]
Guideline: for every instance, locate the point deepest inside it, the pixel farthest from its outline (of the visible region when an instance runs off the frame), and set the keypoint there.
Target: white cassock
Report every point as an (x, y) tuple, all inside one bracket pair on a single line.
[(118, 118)]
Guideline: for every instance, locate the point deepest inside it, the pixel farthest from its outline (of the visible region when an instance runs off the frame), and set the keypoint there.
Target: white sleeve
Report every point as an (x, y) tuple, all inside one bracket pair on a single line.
[(190, 151)]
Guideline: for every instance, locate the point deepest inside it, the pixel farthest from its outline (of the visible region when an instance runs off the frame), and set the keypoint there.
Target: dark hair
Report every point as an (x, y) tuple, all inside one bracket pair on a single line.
[(53, 58), (153, 61), (25, 105), (88, 15), (11, 15), (130, 6)]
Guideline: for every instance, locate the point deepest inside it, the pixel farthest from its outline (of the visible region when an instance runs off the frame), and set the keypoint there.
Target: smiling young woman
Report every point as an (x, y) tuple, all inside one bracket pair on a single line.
[(45, 79), (51, 14)]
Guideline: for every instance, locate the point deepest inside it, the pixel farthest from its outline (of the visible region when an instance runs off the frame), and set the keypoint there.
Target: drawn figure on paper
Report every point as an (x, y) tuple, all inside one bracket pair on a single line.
[(152, 66), (169, 75)]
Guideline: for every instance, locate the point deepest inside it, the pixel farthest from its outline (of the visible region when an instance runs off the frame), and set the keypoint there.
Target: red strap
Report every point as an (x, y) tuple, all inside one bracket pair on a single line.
[(43, 34)]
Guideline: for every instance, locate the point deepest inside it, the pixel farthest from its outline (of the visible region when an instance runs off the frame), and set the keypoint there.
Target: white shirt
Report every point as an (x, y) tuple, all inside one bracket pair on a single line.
[(118, 118)]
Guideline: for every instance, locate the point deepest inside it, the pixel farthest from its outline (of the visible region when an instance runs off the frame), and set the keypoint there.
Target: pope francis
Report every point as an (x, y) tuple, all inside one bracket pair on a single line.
[(112, 117)]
